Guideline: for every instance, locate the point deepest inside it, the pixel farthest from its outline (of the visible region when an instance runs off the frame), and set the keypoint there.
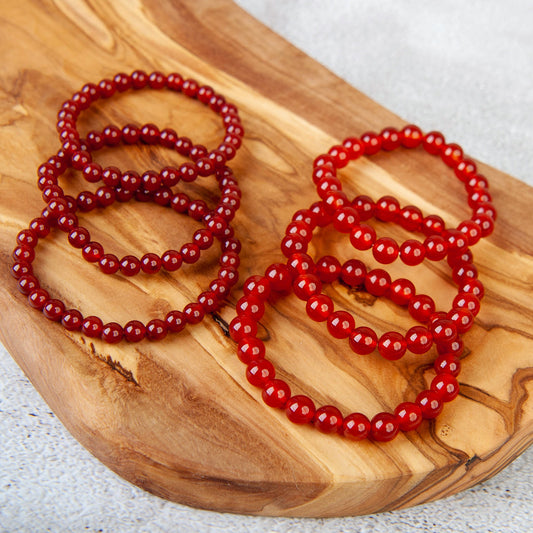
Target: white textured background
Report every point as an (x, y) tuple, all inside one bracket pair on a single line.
[(465, 68)]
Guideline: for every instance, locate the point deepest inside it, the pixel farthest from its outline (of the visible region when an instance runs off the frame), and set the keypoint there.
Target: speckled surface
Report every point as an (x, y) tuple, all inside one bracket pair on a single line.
[(464, 68)]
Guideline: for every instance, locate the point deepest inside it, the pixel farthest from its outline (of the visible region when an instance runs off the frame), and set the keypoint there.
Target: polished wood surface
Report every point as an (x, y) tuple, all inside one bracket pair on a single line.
[(178, 417)]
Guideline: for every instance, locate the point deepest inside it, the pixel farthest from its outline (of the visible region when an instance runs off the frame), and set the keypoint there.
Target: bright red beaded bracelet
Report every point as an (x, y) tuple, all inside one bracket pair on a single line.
[(387, 208)]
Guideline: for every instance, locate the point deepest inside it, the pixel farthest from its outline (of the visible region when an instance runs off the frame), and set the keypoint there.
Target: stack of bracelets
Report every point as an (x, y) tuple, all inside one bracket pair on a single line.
[(151, 186), (300, 274), (305, 277)]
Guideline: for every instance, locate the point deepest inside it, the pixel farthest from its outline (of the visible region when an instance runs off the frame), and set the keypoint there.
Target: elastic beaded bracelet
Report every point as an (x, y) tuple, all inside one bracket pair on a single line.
[(216, 220)]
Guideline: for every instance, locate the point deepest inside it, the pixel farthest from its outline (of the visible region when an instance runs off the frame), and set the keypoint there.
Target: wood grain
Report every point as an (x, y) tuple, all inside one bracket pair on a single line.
[(178, 417)]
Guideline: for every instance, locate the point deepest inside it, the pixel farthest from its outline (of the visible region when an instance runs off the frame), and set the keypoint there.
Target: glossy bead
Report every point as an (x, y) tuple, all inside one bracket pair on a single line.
[(377, 282), (356, 426), (38, 298), (419, 339), (27, 237), (457, 258), (112, 333), (209, 301), (353, 272), (301, 264), (471, 230), (345, 219), (387, 209), (436, 247), (340, 156), (485, 222), (319, 307), (455, 347), (134, 331), (258, 286), (446, 386), (194, 313), (276, 393), (385, 250), (150, 264), (21, 268), (462, 318), (409, 416), (306, 285), (447, 364), (229, 275), (363, 340), (171, 260), (54, 309), (251, 306), (92, 252), (279, 277), (456, 240), (40, 227), (421, 307), (401, 291), (340, 324), (92, 326), (474, 287), (260, 372), (328, 269), (300, 409), (390, 139), (364, 206), (190, 253), (371, 143), (430, 403), (130, 265), (27, 284), (156, 329), (328, 419), (463, 273), (433, 142), (467, 301), (392, 345), (451, 154), (443, 330), (109, 264), (410, 218), (23, 253), (362, 237), (250, 349), (72, 320), (354, 148), (242, 326), (432, 225), (175, 321), (411, 136), (292, 244), (384, 427)]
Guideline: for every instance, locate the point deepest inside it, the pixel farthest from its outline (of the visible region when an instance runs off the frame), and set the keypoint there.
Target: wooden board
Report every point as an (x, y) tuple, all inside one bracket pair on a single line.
[(178, 417)]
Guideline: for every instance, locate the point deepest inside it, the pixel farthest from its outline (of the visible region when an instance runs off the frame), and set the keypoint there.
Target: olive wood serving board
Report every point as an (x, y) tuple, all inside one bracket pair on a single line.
[(178, 417)]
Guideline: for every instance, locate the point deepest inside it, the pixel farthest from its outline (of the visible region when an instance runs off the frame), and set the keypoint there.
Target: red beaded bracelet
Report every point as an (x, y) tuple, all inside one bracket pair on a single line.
[(149, 133), (387, 208), (134, 331), (216, 220)]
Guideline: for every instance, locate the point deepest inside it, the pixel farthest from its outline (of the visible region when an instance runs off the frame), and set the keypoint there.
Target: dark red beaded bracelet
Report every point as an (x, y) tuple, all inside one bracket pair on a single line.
[(54, 309), (216, 222), (149, 133)]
